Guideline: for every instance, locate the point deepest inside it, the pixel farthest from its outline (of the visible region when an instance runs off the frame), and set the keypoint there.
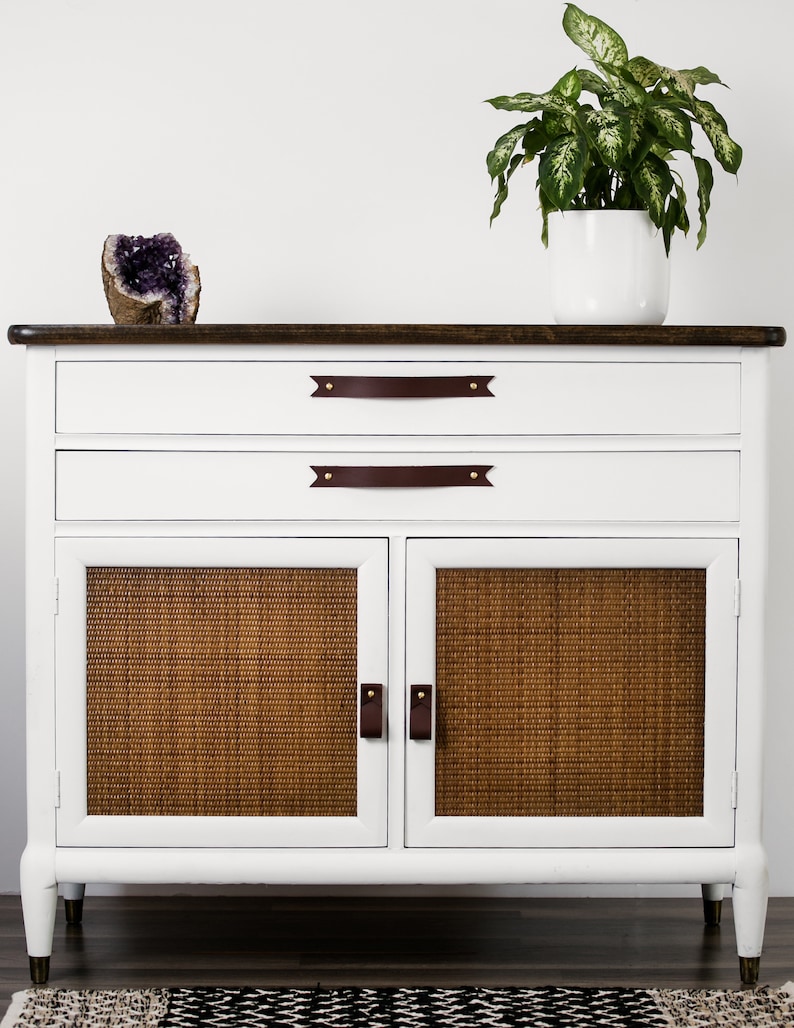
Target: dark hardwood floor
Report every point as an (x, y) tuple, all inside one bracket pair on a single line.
[(394, 941)]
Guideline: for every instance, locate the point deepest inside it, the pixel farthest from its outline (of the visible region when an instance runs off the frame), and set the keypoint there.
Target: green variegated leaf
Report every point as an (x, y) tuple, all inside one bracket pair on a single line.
[(672, 124), (640, 137), (726, 150), (645, 72), (533, 102), (683, 220), (569, 86), (535, 139), (546, 208), (624, 88), (499, 199), (501, 192), (561, 170), (556, 124), (611, 133), (701, 77), (705, 182), (678, 82), (498, 159), (671, 217), (593, 83), (600, 42), (654, 183)]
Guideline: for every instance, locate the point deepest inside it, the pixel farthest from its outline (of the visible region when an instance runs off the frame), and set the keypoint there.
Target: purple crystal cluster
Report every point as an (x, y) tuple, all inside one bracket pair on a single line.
[(149, 263), (155, 269)]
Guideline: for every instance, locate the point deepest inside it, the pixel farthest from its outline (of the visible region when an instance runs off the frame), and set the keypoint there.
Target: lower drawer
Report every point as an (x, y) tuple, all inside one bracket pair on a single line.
[(572, 486)]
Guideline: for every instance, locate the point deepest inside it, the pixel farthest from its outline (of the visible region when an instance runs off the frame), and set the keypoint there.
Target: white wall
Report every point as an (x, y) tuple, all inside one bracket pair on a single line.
[(323, 161)]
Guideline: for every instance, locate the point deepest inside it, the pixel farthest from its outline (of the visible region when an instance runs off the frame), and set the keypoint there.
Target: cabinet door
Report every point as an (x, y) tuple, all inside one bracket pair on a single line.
[(208, 691), (583, 692)]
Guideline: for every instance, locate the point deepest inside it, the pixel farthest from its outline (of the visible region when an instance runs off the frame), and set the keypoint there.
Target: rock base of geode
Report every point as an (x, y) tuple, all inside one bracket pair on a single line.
[(149, 280)]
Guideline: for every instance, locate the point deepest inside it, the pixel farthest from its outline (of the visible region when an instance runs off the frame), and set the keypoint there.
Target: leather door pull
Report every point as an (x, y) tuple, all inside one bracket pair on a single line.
[(395, 387), (420, 722), (396, 477), (371, 711)]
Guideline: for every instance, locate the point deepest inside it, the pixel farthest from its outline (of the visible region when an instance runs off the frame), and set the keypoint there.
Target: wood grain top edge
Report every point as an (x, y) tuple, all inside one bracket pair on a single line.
[(324, 334)]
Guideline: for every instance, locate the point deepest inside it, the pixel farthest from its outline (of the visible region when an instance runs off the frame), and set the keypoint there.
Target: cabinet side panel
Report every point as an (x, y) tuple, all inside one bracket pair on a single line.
[(570, 692), (221, 691)]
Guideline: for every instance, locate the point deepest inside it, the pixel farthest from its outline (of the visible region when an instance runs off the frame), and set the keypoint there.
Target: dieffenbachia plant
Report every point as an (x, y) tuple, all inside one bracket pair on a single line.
[(616, 155)]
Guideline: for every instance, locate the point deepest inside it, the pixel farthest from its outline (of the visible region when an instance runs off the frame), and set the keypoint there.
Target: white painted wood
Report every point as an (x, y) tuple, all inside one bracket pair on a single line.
[(201, 454), (37, 868), (398, 866), (571, 486), (77, 828), (275, 398), (715, 827)]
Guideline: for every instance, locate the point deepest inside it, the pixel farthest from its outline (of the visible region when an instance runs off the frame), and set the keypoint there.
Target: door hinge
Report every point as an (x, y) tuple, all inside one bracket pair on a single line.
[(57, 789), (737, 597), (734, 789), (56, 595)]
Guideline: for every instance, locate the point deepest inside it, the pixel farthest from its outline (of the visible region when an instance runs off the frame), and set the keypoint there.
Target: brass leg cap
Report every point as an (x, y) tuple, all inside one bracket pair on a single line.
[(712, 912), (39, 970), (74, 911), (749, 968)]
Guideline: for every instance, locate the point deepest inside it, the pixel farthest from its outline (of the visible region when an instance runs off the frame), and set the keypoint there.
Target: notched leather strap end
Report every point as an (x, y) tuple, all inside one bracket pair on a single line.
[(371, 711), (421, 715)]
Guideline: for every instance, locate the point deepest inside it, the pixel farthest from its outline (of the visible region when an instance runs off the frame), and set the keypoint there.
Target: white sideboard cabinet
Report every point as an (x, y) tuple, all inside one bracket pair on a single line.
[(395, 604)]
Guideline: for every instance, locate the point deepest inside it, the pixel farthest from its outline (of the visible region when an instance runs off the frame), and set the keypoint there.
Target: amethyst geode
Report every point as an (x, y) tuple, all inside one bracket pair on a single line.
[(149, 280)]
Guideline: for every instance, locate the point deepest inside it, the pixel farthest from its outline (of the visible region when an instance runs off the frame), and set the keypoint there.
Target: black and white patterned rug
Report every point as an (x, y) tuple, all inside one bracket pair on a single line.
[(401, 1008)]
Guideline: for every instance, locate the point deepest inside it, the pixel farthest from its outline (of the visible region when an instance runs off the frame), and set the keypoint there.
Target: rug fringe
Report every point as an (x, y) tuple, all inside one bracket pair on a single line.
[(214, 1007), (18, 1001)]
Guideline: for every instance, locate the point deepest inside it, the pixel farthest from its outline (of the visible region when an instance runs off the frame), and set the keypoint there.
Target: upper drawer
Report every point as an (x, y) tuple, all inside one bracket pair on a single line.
[(397, 398), (141, 485)]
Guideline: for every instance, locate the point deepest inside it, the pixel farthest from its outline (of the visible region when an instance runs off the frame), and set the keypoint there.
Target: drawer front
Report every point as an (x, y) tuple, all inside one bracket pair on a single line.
[(546, 486), (397, 398)]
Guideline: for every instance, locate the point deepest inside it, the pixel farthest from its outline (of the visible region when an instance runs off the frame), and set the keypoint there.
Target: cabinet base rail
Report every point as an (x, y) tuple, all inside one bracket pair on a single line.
[(743, 867), (382, 866)]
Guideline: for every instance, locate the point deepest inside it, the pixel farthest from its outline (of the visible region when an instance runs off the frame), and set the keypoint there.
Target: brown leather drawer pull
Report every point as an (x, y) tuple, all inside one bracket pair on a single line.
[(398, 477), (420, 720), (371, 712), (384, 387)]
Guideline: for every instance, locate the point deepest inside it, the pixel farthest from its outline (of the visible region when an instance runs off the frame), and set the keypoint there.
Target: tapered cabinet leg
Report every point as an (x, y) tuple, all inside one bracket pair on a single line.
[(73, 903), (712, 904), (39, 892), (750, 893)]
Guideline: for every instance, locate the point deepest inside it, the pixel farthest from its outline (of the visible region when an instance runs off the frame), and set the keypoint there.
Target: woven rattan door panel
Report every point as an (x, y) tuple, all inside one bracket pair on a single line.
[(218, 698), (572, 693), (221, 691)]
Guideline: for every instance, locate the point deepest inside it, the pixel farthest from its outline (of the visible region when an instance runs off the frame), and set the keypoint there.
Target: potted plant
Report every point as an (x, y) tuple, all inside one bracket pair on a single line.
[(613, 154)]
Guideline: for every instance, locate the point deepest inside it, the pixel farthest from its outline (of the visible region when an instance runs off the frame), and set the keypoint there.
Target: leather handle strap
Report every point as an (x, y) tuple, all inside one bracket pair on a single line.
[(396, 387), (400, 477), (420, 718), (371, 711)]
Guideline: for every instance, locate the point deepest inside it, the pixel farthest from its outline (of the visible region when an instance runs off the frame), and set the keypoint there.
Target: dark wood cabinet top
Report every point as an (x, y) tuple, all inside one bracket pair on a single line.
[(431, 335)]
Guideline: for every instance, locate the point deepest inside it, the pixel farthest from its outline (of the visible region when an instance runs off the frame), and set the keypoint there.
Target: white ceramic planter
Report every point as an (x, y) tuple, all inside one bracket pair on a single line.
[(607, 268)]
